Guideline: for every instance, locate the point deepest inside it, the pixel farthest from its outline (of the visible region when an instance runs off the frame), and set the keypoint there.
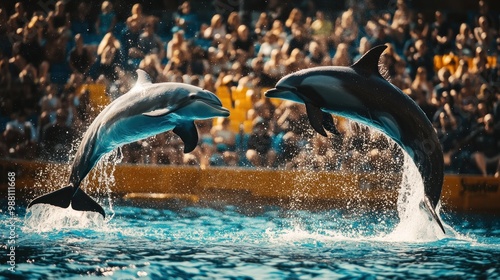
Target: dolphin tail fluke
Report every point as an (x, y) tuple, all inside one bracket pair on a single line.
[(428, 206), (79, 201)]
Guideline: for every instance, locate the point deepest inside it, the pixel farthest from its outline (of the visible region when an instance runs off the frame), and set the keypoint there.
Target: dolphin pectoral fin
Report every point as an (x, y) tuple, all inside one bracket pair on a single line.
[(315, 116), (328, 123), (427, 203), (189, 134), (83, 202), (60, 198), (157, 113)]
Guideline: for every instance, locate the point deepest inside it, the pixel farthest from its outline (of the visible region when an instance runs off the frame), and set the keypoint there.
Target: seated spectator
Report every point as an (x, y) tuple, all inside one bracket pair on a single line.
[(400, 22), (243, 41), (364, 46), (401, 78), (149, 42), (270, 44), (441, 34), (316, 55), (421, 86), (275, 67), (217, 27), (5, 75), (224, 137), (342, 56), (59, 18), (262, 25), (110, 56), (106, 20), (30, 47), (178, 63), (485, 35), (297, 40), (137, 15), (57, 139), (421, 58), (80, 23), (177, 43), (321, 27), (260, 152), (130, 39), (186, 20), (19, 19), (464, 41), (486, 148), (443, 85), (80, 57), (199, 63), (346, 30), (295, 62), (233, 23)]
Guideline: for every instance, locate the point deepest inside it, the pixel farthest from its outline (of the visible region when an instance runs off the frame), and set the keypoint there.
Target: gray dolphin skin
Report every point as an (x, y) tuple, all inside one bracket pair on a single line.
[(361, 94), (146, 110)]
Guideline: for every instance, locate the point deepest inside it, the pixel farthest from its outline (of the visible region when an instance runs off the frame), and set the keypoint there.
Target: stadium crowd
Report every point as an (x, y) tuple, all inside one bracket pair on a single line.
[(451, 69)]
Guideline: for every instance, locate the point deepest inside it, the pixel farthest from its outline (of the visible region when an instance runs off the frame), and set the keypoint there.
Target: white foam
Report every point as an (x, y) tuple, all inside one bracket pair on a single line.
[(44, 218)]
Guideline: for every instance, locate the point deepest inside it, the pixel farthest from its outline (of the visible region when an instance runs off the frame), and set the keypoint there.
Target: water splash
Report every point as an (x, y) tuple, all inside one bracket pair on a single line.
[(103, 174), (44, 218)]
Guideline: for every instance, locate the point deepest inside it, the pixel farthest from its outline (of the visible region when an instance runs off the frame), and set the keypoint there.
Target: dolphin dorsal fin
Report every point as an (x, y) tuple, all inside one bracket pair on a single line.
[(368, 63), (143, 78)]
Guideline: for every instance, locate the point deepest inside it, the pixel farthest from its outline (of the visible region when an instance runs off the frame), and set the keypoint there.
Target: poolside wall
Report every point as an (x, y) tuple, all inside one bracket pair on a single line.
[(301, 189)]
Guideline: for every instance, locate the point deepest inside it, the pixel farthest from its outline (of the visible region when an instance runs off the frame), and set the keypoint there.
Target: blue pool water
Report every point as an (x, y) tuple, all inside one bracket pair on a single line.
[(225, 243)]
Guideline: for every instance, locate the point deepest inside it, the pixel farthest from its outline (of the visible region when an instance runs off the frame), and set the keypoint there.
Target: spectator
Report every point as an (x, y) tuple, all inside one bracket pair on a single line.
[(275, 67), (421, 58), (321, 27), (259, 152), (149, 42), (263, 25), (485, 35), (465, 41), (486, 148), (217, 27), (130, 39), (342, 56), (106, 20), (80, 23), (80, 57), (57, 138), (346, 29), (109, 56), (243, 41), (441, 34), (177, 43), (59, 18), (136, 15), (186, 20), (294, 19), (19, 19), (233, 23), (297, 40)]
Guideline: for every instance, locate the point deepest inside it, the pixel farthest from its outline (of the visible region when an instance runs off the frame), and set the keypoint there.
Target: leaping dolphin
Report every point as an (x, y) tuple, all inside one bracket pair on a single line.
[(146, 110), (361, 94)]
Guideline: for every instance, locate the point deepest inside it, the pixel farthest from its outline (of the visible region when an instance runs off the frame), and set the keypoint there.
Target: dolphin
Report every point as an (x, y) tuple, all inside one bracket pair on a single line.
[(360, 93), (146, 110)]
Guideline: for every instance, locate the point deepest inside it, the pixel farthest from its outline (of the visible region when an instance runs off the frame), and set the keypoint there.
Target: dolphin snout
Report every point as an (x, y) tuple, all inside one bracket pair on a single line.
[(224, 112), (271, 92)]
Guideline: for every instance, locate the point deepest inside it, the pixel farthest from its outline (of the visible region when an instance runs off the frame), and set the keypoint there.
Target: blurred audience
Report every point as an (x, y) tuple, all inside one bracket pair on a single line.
[(58, 67)]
